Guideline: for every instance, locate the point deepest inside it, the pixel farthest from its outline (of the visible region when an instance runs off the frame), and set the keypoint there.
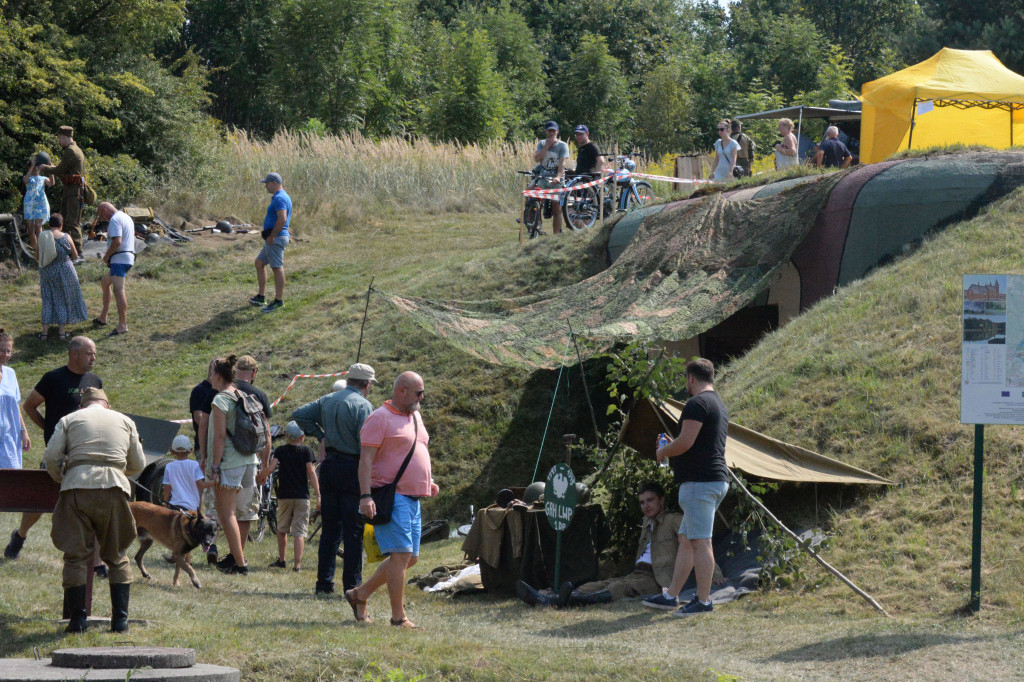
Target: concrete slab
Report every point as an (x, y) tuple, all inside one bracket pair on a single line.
[(104, 657), (29, 670)]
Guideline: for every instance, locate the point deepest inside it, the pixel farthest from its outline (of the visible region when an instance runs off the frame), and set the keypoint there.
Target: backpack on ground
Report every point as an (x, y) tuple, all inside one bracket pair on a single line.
[(250, 436)]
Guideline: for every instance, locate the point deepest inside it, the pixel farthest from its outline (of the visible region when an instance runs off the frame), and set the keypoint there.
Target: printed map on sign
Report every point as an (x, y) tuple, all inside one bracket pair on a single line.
[(992, 360)]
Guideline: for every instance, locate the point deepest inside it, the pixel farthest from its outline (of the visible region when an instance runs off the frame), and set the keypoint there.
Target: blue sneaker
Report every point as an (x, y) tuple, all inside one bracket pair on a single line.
[(694, 606), (662, 601)]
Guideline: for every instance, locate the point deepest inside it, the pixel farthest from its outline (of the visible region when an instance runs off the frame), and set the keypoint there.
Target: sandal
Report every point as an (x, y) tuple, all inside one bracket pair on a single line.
[(406, 624), (63, 336), (355, 604), (97, 322), (42, 337)]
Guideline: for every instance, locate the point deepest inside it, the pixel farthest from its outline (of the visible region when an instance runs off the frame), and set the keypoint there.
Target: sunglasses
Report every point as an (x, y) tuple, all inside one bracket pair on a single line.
[(723, 128)]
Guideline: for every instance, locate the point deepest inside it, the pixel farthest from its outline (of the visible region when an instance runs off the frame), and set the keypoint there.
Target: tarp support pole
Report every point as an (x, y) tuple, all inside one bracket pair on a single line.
[(913, 122), (799, 126), (979, 475)]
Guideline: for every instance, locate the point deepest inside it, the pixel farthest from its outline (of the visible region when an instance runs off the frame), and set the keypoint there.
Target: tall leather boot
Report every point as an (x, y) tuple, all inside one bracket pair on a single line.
[(578, 599), (74, 600), (532, 596), (119, 593)]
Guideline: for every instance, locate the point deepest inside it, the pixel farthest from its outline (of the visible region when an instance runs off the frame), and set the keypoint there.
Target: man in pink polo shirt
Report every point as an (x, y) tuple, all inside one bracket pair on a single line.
[(385, 440)]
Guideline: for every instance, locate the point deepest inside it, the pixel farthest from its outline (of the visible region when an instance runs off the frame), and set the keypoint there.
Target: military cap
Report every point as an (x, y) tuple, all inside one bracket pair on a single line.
[(66, 130)]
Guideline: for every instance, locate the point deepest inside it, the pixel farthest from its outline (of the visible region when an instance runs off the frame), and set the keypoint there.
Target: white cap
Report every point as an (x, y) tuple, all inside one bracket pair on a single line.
[(292, 430), (339, 385), (181, 443)]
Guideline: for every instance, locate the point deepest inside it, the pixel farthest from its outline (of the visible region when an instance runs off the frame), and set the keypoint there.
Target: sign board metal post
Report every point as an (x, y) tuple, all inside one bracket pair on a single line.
[(559, 507), (979, 475)]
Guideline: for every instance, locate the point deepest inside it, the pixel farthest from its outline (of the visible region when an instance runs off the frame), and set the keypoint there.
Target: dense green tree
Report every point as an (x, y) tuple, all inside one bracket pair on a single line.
[(593, 91), (867, 31), (468, 101), (664, 114), (520, 62), (996, 25)]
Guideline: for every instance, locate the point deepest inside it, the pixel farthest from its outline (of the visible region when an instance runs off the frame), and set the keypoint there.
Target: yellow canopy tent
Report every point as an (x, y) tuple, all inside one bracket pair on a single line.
[(956, 96)]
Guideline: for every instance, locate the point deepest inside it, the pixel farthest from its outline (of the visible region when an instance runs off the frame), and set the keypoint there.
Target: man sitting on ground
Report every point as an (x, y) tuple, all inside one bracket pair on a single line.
[(652, 570)]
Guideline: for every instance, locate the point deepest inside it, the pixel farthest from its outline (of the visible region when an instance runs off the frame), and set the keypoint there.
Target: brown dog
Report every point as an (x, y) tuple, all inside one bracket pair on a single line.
[(175, 530)]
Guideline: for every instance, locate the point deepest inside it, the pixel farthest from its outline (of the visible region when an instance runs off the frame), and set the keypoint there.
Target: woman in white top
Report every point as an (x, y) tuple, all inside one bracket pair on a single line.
[(786, 151), (726, 150), (13, 436)]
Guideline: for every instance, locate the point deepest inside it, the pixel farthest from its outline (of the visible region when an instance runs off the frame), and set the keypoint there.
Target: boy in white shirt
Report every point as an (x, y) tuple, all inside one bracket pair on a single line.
[(184, 478)]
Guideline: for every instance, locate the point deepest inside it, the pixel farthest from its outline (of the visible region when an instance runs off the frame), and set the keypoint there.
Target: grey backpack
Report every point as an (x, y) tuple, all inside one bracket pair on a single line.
[(250, 435)]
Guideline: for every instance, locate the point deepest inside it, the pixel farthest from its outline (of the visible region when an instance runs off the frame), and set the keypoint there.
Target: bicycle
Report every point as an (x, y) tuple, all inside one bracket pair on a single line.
[(581, 205), (267, 510), (534, 209), (13, 244)]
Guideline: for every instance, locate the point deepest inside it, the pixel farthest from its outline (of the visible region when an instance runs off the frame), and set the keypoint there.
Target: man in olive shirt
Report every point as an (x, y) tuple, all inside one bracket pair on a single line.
[(71, 172), (91, 454)]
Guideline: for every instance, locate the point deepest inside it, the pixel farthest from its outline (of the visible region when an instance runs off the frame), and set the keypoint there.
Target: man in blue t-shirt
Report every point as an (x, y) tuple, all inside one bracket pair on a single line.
[(697, 456), (275, 238), (832, 153)]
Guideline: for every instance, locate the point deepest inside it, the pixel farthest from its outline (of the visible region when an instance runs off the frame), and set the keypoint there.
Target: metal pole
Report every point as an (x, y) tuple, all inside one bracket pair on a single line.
[(979, 474), (586, 389), (913, 122), (558, 560), (799, 126), (366, 309)]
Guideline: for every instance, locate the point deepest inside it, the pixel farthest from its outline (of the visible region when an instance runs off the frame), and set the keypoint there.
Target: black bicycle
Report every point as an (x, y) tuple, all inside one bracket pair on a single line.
[(622, 193), (267, 511), (534, 210)]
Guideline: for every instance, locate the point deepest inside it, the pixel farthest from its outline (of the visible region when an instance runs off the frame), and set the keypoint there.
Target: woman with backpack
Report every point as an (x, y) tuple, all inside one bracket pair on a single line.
[(234, 456)]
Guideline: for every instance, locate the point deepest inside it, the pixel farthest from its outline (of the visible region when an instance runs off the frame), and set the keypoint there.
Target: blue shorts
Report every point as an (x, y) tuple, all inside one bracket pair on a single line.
[(119, 269), (699, 500), (402, 533), (274, 255)]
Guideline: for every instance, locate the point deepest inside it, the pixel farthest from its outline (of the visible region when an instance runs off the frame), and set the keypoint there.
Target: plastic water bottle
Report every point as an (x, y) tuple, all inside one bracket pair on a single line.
[(663, 440)]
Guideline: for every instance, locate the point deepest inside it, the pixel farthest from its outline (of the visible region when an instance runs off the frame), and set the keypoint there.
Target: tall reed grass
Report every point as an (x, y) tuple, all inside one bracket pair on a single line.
[(340, 182)]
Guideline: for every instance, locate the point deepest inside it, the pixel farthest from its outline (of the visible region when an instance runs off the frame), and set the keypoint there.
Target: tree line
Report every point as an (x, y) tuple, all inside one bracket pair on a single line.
[(148, 83)]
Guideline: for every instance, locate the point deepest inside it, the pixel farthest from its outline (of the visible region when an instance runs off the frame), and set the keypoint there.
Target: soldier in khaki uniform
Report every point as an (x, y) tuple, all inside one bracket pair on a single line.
[(91, 453), (71, 173), (652, 569)]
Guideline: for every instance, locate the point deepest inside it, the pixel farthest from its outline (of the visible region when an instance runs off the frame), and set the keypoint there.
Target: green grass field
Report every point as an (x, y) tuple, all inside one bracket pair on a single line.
[(869, 376)]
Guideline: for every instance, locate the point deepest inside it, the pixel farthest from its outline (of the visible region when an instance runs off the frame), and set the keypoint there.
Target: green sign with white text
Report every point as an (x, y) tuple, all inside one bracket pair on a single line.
[(560, 496)]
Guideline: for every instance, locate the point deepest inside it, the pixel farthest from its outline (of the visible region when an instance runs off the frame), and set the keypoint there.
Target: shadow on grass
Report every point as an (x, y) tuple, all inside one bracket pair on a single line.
[(595, 627), (28, 347), (222, 321), (11, 643), (875, 645)]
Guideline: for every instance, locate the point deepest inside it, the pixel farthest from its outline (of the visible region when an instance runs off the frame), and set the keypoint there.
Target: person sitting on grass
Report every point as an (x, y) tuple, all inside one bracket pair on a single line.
[(296, 473), (652, 569)]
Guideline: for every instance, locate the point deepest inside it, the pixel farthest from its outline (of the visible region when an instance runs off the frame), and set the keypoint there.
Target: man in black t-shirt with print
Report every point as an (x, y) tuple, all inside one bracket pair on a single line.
[(697, 456), (59, 392)]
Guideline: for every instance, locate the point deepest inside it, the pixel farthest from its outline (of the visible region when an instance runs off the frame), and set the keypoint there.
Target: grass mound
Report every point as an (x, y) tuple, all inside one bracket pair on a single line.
[(871, 376)]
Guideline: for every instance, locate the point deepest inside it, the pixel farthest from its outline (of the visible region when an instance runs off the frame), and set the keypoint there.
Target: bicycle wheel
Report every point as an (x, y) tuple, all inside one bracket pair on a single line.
[(272, 516), (639, 196), (258, 528), (581, 208), (531, 217)]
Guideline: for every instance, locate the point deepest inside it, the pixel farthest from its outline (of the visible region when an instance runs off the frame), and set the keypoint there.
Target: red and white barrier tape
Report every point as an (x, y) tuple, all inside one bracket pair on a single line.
[(290, 384), (620, 175)]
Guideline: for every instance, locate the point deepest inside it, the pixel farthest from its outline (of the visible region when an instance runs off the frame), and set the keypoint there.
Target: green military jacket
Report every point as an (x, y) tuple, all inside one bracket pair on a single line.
[(72, 162), (662, 533)]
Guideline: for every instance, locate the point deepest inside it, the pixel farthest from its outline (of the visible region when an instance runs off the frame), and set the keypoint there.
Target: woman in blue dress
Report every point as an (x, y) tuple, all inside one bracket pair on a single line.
[(36, 208), (13, 436), (58, 284)]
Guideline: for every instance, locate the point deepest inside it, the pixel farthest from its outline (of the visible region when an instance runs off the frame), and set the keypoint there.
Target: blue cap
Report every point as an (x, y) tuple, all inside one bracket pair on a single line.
[(582, 129), (272, 177), (550, 125)]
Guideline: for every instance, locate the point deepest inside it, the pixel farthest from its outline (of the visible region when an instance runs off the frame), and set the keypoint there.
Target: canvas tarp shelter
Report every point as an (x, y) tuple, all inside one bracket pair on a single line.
[(747, 450), (956, 96)]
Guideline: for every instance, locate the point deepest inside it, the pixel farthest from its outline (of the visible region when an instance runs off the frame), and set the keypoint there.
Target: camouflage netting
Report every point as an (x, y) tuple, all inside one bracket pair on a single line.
[(691, 265)]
